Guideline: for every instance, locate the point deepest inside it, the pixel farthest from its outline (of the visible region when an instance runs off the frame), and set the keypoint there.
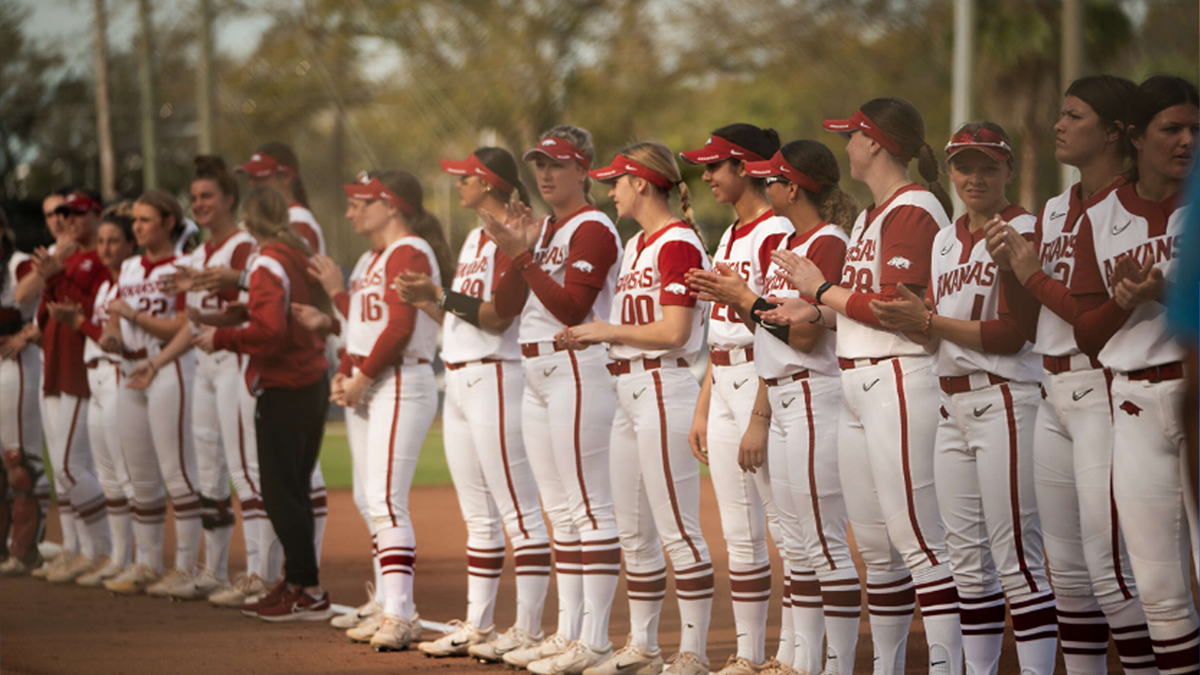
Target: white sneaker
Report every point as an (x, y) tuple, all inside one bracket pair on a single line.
[(68, 572), (578, 658), (686, 663), (132, 581), (366, 629), (458, 641), (739, 665), (13, 567), (175, 580), (630, 659), (367, 609), (202, 585), (96, 578), (396, 634), (51, 564), (235, 596), (494, 650), (551, 646)]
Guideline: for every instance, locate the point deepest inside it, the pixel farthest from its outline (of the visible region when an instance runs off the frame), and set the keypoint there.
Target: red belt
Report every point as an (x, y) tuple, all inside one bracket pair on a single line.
[(962, 383), (95, 363), (357, 361), (787, 379), (624, 367), (464, 364), (849, 364), (723, 357), (134, 355), (532, 350), (1062, 364), (1169, 371)]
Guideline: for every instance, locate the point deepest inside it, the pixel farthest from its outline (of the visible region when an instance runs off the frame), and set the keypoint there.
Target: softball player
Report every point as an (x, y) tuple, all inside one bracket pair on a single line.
[(654, 334), (156, 422), (989, 380), (569, 261), (389, 348), (723, 409), (1072, 440), (799, 379), (1127, 244), (21, 515), (482, 417), (888, 384)]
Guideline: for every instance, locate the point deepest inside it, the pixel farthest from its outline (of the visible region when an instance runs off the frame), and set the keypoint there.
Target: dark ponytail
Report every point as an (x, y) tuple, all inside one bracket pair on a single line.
[(900, 120), (283, 154), (423, 223), (816, 161), (212, 167), (501, 162)]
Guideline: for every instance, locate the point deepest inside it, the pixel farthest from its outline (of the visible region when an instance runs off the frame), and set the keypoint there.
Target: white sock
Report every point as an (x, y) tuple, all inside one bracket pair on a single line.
[(1127, 620), (1035, 626), (890, 600), (750, 588), (646, 589), (939, 611), (120, 523), (841, 595), (216, 550), (694, 590), (982, 618), (253, 516), (66, 519), (148, 525), (568, 567), (485, 563), (602, 572), (785, 654), (533, 566), (91, 528), (397, 554), (808, 622), (188, 533)]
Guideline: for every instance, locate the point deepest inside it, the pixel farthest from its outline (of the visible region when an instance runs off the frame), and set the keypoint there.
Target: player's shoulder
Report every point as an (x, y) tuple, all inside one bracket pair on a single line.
[(831, 230), (774, 224), (1019, 219), (132, 266), (298, 213)]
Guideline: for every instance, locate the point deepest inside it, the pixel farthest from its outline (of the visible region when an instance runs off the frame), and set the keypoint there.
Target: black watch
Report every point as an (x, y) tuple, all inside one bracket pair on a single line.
[(821, 290)]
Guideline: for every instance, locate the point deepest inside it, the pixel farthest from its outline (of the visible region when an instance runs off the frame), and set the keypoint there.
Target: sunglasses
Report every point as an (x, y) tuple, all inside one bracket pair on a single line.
[(772, 180)]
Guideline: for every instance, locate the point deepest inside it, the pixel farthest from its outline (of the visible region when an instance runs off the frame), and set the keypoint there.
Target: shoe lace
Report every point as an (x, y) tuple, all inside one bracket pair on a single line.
[(629, 648)]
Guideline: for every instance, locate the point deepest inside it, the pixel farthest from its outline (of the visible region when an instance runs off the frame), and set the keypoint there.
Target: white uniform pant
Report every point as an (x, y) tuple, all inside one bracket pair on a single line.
[(104, 431), (224, 435), (71, 457), (400, 406), (20, 407)]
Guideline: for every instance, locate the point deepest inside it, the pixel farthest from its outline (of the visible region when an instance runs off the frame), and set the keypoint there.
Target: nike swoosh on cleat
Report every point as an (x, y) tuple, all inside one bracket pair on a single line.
[(867, 387), (547, 371), (458, 643), (1076, 395), (738, 385), (979, 411)]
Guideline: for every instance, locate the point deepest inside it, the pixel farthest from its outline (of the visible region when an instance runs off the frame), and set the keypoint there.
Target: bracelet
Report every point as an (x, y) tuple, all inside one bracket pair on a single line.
[(928, 323), (820, 317), (764, 415), (821, 290)]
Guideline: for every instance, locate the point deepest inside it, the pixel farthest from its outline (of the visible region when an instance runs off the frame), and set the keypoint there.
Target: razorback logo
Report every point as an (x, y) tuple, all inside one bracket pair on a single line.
[(1131, 408), (583, 266), (676, 288), (547, 142), (900, 262)]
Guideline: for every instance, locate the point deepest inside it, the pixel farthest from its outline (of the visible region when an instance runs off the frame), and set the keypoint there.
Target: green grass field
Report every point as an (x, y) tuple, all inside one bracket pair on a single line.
[(335, 458)]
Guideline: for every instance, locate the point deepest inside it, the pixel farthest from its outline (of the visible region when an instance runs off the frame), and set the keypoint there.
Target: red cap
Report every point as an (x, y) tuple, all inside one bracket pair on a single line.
[(984, 140), (860, 122), (778, 166), (622, 165), (471, 166), (261, 166), (558, 149), (370, 189), (79, 202), (717, 149)]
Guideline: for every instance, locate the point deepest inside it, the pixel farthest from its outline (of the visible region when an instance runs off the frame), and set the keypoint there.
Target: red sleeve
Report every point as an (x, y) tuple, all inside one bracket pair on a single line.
[(345, 364), (268, 317), (1096, 316), (510, 293), (1085, 276), (829, 255), (501, 266), (78, 285), (341, 302), (1019, 304), (906, 239), (675, 258), (592, 253), (402, 317), (91, 330), (1001, 336), (25, 267), (769, 245), (309, 235), (241, 254)]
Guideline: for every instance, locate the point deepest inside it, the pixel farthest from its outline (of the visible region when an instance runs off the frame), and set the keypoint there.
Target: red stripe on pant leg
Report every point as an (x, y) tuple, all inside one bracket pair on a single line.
[(182, 410), (1115, 532), (242, 442), (21, 403), (812, 474), (1014, 485), (908, 488), (66, 467), (512, 492), (666, 464), (392, 448), (587, 504)]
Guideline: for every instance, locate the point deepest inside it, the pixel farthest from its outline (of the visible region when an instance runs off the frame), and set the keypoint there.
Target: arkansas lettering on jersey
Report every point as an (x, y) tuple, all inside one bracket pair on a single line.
[(965, 287), (374, 305), (1125, 225), (651, 277), (141, 287), (234, 252), (304, 223), (477, 275), (890, 244), (561, 255), (825, 245), (747, 250)]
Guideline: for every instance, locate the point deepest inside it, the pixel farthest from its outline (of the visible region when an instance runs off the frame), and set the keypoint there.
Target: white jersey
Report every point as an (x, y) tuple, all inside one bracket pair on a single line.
[(966, 286), (1124, 224), (652, 271), (476, 275), (773, 358), (141, 288), (304, 223), (106, 294), (538, 324), (746, 249), (17, 263), (356, 274), (863, 269), (235, 252), (369, 314)]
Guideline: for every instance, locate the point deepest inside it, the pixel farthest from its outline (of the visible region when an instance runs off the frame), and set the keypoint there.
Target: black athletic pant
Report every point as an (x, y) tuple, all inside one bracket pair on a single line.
[(291, 425)]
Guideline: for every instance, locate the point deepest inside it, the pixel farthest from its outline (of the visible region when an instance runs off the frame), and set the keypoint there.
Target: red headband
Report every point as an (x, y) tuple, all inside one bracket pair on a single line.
[(80, 203), (985, 140), (717, 149), (860, 122), (370, 189), (262, 165), (622, 165), (558, 149), (471, 166), (778, 166)]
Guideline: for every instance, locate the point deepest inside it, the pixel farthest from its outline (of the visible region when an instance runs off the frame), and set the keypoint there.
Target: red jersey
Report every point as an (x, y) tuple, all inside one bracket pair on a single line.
[(81, 278)]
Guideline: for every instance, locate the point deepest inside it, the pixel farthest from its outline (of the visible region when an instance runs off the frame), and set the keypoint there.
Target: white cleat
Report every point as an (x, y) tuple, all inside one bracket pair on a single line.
[(71, 570), (396, 634), (132, 581), (551, 646), (739, 665), (494, 650), (366, 610), (578, 658), (630, 660), (174, 581), (235, 596), (51, 564), (686, 663), (774, 666), (366, 628), (13, 567), (458, 641), (201, 587), (99, 574)]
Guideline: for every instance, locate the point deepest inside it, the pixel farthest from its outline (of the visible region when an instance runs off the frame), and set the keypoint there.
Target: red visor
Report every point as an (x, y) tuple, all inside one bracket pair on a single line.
[(79, 202), (370, 189), (261, 166), (718, 149), (558, 149), (622, 165), (986, 141), (860, 122), (778, 166), (471, 166)]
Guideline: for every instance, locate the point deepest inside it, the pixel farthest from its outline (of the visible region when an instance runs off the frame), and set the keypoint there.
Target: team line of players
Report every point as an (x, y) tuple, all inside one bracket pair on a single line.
[(879, 370)]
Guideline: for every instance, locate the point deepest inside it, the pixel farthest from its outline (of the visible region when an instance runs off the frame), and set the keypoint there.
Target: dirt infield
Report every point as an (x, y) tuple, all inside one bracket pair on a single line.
[(70, 630)]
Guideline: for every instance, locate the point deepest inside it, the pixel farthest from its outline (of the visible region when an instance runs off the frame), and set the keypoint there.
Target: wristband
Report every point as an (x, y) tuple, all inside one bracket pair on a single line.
[(780, 332), (820, 318), (461, 305), (764, 415), (821, 290)]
